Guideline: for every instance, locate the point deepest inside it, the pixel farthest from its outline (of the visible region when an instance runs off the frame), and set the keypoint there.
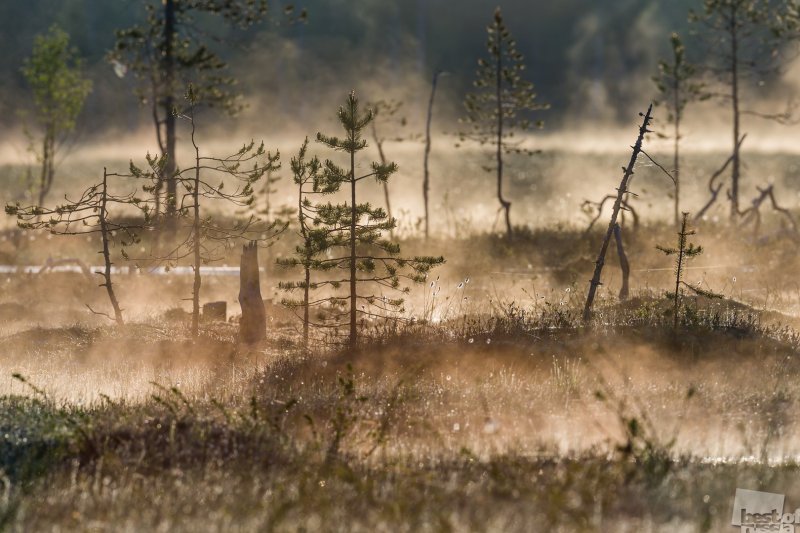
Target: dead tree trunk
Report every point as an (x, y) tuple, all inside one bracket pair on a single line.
[(253, 324), (505, 204), (715, 190), (623, 264), (168, 71), (426, 178), (736, 163), (104, 233), (623, 188), (753, 213)]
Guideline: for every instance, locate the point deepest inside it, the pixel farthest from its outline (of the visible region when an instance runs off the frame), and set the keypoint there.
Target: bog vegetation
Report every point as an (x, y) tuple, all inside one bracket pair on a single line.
[(390, 373)]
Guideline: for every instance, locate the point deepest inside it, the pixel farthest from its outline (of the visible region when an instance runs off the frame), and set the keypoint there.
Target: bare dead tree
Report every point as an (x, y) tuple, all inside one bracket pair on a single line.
[(621, 190), (426, 176), (683, 253), (714, 188), (383, 111), (753, 213), (745, 38), (588, 206), (253, 324), (87, 215), (202, 238)]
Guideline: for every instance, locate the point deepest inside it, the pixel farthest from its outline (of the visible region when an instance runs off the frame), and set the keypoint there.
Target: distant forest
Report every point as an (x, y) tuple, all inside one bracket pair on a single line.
[(587, 57)]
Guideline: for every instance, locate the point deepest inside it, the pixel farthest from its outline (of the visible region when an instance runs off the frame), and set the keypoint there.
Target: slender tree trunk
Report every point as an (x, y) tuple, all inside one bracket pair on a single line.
[(677, 160), (306, 310), (48, 164), (157, 122), (43, 176), (379, 146), (736, 114), (506, 205), (679, 272), (353, 212), (426, 177), (623, 188), (169, 104), (624, 265), (106, 253), (196, 240), (306, 265), (267, 194)]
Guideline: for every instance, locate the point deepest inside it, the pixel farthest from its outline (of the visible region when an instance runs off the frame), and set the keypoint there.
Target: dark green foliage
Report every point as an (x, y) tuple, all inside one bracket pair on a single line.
[(168, 53), (501, 104), (35, 437), (143, 49)]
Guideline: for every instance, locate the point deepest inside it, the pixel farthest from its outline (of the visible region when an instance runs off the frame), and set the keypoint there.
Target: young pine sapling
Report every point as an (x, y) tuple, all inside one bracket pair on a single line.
[(313, 237), (683, 253), (372, 262)]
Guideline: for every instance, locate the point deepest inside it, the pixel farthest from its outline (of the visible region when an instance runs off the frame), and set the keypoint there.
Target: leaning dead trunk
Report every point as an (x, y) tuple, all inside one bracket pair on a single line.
[(253, 324), (623, 188)]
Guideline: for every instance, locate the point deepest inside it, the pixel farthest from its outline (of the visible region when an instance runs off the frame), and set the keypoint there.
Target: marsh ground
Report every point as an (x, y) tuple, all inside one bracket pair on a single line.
[(496, 410)]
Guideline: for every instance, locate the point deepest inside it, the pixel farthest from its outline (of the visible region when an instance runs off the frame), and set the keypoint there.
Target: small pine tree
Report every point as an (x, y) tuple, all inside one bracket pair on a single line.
[(502, 103), (87, 215), (357, 228), (307, 177), (677, 87), (683, 253)]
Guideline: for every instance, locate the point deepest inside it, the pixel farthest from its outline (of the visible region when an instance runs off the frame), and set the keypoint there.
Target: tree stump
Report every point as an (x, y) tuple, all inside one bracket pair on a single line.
[(253, 324), (215, 311)]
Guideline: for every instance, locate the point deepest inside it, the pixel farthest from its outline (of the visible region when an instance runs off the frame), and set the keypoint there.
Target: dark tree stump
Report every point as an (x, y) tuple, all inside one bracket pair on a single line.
[(215, 311), (253, 324)]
